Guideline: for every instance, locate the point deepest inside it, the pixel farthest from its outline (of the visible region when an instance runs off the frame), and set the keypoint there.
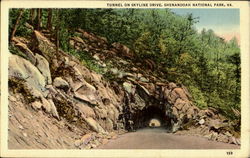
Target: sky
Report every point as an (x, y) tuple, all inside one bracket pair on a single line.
[(224, 22)]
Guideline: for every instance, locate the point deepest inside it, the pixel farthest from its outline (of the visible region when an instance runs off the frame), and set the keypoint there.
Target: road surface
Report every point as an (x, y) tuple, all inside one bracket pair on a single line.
[(157, 138)]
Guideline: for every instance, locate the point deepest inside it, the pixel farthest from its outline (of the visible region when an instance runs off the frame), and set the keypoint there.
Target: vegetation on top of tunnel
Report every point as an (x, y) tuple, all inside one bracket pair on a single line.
[(205, 63)]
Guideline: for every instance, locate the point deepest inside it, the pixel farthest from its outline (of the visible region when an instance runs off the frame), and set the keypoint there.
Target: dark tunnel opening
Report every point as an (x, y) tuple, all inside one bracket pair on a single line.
[(156, 109), (149, 117)]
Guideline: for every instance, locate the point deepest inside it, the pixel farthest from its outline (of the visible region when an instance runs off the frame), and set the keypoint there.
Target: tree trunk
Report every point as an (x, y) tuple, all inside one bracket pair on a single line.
[(16, 24), (32, 16), (49, 21), (38, 25), (41, 16), (57, 30)]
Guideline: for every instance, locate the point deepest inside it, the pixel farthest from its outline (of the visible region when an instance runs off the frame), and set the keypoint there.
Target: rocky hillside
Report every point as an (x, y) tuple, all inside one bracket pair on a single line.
[(56, 100)]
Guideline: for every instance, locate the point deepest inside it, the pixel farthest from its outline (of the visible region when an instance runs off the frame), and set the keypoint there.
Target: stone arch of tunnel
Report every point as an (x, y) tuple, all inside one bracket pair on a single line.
[(155, 108), (142, 118)]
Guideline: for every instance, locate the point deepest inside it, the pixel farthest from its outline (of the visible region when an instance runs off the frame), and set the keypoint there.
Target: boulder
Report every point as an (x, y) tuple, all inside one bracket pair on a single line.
[(215, 123), (166, 93), (60, 83), (171, 85), (101, 112), (94, 125), (202, 121), (111, 114), (202, 114), (82, 85), (46, 105), (87, 93), (43, 66), (238, 141), (36, 105), (77, 72), (173, 97), (130, 75), (85, 110), (214, 136), (45, 46), (87, 138), (129, 87), (175, 112), (123, 50), (96, 57), (149, 86), (228, 134), (144, 89), (12, 98), (23, 47), (51, 89), (179, 103), (24, 69), (109, 124), (114, 71), (97, 77), (75, 85), (222, 138), (116, 112), (232, 140), (35, 92), (186, 92), (139, 75), (209, 112), (180, 93), (190, 112), (66, 61), (143, 79), (78, 143), (53, 109), (134, 69), (175, 127), (139, 103), (185, 107)]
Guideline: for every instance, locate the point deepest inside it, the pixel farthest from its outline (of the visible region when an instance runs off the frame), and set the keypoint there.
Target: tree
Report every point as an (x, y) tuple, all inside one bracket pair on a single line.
[(57, 29), (38, 17), (49, 20), (32, 16), (16, 24), (207, 64)]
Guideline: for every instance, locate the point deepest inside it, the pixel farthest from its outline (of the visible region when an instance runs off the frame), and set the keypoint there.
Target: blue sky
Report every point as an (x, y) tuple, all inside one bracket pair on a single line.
[(222, 21)]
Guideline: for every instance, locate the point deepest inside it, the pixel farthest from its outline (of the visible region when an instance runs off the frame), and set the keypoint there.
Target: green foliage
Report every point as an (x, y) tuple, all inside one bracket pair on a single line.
[(16, 51), (22, 30), (198, 96), (87, 60)]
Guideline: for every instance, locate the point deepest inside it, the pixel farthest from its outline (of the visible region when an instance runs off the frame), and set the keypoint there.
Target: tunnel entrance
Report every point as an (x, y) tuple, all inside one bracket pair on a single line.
[(151, 116), (154, 123)]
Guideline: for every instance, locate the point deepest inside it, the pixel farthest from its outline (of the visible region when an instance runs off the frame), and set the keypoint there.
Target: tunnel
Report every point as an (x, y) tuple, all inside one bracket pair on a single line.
[(151, 116), (155, 112)]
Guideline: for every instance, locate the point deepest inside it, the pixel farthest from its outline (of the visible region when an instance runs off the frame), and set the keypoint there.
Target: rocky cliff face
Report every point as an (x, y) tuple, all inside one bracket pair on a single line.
[(57, 102)]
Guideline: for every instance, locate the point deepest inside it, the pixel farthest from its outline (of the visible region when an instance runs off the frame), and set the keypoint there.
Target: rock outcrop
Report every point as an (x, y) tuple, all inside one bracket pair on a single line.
[(63, 96)]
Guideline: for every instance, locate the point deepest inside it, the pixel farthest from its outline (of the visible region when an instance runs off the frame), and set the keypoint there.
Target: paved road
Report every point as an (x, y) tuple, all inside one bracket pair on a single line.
[(157, 138)]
